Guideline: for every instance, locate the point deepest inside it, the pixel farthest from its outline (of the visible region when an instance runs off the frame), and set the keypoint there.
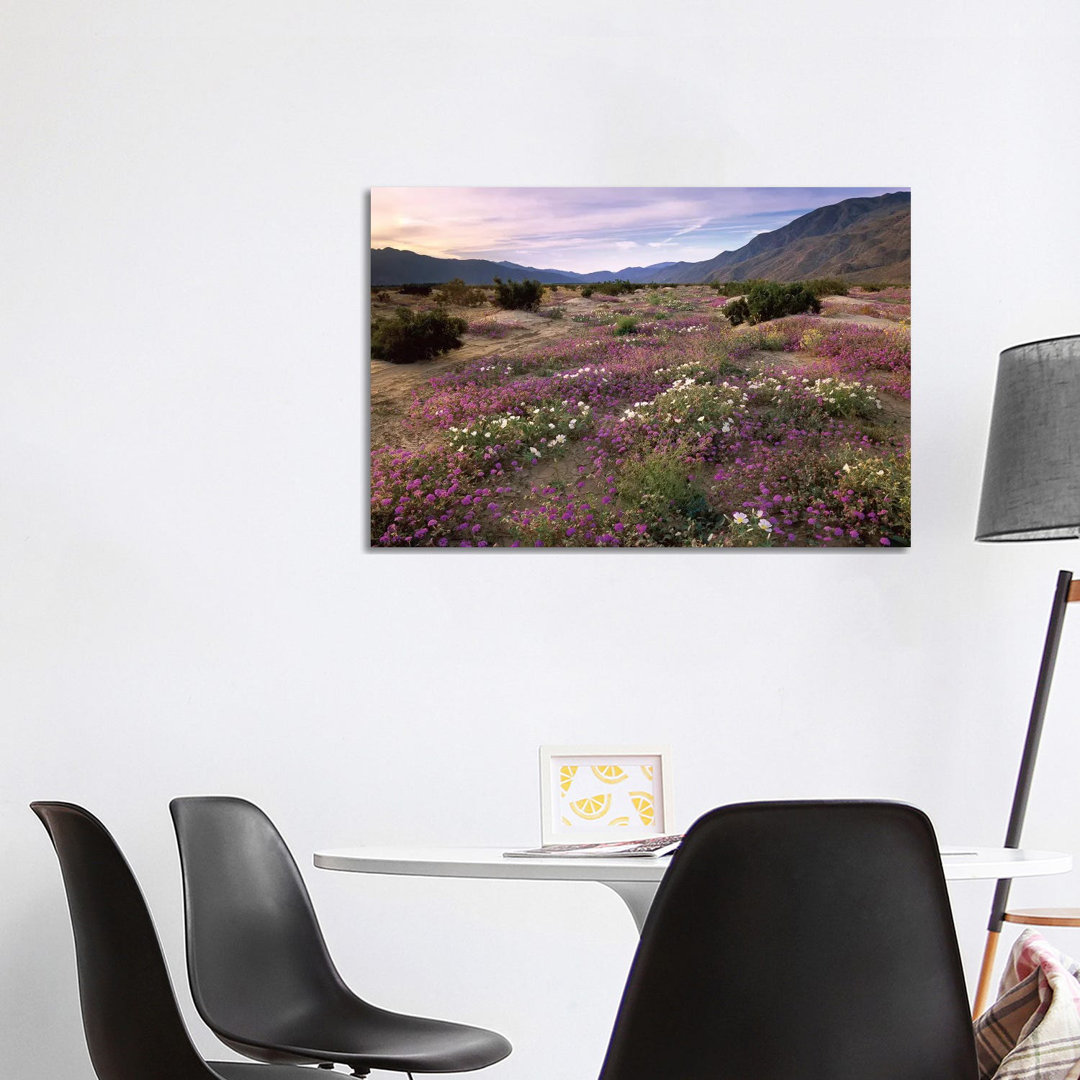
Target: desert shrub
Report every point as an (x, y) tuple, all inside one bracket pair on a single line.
[(544, 431), (587, 290), (616, 288), (662, 489), (461, 295), (771, 300), (827, 287), (735, 288), (626, 324), (416, 289), (737, 311), (761, 339), (871, 287), (556, 312), (702, 407), (407, 337), (382, 296), (789, 397), (520, 295), (659, 481)]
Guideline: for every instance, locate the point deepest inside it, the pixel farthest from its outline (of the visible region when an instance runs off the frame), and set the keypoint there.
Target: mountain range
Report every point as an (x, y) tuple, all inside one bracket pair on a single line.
[(859, 240)]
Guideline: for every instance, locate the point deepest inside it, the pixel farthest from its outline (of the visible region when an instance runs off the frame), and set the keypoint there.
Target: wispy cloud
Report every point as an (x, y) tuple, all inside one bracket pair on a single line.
[(586, 229)]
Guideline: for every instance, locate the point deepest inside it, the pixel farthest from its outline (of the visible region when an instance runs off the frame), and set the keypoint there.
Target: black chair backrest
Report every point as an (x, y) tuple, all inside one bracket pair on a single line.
[(798, 941), (132, 1022), (255, 951)]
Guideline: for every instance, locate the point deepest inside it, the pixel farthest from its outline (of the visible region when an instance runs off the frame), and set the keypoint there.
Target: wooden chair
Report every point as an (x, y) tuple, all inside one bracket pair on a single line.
[(1050, 916)]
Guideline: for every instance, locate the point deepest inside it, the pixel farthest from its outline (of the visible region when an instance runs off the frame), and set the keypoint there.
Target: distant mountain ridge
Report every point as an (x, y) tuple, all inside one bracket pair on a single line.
[(861, 239)]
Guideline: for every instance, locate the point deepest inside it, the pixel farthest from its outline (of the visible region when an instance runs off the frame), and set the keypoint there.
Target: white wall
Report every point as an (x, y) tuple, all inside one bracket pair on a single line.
[(186, 603)]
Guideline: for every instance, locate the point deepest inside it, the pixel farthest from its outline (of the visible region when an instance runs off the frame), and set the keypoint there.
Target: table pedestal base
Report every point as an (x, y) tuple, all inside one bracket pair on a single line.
[(637, 896)]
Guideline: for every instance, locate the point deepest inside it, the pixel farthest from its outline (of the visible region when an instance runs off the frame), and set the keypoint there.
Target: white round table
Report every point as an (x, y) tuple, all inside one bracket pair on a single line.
[(636, 879)]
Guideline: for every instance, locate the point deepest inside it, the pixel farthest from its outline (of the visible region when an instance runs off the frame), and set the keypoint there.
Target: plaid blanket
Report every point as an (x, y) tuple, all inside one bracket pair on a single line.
[(1032, 1031)]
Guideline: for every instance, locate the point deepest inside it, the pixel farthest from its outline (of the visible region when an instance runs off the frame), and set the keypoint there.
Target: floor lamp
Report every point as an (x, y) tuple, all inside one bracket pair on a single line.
[(1031, 491)]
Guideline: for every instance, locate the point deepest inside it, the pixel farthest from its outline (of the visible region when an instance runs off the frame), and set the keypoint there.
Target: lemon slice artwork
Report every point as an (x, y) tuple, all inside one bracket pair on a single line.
[(592, 808), (609, 774), (643, 804), (647, 771), (624, 820), (566, 777)]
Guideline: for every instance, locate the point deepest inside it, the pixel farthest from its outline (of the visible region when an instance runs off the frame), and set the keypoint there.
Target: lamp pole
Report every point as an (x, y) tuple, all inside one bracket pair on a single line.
[(1065, 592)]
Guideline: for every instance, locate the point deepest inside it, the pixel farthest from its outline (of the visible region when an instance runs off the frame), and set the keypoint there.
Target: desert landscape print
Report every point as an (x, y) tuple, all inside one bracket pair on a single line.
[(640, 367)]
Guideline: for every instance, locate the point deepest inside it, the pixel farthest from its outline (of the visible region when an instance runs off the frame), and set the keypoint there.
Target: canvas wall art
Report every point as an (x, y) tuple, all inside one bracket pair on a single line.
[(627, 368)]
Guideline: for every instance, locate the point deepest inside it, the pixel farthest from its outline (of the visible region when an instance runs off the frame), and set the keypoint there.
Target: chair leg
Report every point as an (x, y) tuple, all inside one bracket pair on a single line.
[(983, 990)]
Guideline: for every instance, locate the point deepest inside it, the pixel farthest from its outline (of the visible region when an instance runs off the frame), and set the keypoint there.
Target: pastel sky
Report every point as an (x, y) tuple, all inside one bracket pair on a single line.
[(586, 229)]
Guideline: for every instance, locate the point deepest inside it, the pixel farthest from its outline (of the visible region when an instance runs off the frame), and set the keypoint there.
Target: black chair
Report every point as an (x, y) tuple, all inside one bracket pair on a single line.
[(798, 941), (133, 1026), (258, 966)]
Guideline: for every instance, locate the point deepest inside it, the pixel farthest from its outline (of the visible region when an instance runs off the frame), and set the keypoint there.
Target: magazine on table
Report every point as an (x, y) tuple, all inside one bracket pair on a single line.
[(649, 847)]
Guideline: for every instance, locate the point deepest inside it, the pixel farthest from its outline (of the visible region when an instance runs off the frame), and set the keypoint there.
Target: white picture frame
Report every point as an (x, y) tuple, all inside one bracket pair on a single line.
[(596, 793)]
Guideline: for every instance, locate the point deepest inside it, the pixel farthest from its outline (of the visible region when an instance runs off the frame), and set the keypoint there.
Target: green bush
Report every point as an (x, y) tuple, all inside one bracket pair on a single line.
[(661, 489), (587, 290), (520, 295), (626, 324), (771, 300), (735, 288), (461, 295), (616, 288), (737, 311), (827, 287), (416, 289), (407, 337)]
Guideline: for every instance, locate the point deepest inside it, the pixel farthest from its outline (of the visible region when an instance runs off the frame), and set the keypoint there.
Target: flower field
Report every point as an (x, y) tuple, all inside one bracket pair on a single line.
[(649, 421)]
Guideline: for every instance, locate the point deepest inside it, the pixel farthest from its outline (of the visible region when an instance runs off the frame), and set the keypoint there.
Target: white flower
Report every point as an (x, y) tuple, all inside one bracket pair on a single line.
[(534, 451), (847, 468), (765, 524), (739, 518)]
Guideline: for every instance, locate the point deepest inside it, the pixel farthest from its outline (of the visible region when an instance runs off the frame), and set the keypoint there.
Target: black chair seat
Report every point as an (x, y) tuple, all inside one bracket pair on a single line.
[(260, 973), (245, 1070), (363, 1037)]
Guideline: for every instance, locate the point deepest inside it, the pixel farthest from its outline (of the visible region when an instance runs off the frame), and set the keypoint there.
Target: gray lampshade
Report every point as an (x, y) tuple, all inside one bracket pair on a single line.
[(1031, 485)]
